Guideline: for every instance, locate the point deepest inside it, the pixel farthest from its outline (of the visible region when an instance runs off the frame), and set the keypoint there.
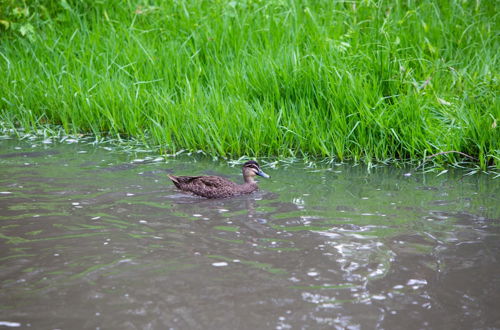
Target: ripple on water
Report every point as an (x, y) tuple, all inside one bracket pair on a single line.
[(107, 238)]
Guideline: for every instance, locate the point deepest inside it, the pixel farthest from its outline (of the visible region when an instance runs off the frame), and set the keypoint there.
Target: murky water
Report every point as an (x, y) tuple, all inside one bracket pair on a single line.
[(96, 238)]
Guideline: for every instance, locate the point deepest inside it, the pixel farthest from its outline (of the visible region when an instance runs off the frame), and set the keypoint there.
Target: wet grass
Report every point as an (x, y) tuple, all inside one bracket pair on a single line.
[(360, 80)]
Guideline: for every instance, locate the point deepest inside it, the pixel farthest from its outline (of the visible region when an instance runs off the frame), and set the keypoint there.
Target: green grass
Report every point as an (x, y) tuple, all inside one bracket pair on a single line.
[(354, 80)]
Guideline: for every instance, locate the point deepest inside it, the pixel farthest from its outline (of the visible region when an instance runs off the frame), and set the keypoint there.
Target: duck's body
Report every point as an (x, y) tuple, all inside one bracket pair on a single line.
[(217, 187), (212, 186)]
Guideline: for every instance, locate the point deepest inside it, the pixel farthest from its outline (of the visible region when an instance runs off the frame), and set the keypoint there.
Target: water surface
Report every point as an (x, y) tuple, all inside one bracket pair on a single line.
[(94, 237)]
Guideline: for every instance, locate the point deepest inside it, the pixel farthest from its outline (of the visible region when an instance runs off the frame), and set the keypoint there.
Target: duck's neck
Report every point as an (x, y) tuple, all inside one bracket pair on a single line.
[(249, 179), (249, 186)]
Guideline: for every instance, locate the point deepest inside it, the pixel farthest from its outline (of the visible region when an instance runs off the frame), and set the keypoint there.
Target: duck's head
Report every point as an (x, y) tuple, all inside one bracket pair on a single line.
[(251, 169)]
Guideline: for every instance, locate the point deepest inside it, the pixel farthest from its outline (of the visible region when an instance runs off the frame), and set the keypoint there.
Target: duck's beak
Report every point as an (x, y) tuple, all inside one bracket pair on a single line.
[(262, 174)]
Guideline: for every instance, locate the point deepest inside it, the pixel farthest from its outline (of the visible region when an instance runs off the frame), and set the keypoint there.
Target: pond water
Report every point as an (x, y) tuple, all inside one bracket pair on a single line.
[(94, 237)]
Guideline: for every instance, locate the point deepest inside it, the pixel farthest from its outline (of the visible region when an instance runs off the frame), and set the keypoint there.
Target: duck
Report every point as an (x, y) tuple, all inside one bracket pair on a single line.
[(218, 187)]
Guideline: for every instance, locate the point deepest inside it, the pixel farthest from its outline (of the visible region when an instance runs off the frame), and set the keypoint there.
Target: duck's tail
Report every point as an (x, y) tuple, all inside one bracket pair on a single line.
[(174, 180)]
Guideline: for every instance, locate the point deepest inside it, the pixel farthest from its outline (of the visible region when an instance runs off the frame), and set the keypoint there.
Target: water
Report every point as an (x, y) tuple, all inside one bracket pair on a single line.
[(93, 237)]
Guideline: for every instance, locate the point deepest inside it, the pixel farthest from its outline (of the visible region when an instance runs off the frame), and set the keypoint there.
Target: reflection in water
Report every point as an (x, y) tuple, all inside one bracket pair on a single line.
[(92, 238)]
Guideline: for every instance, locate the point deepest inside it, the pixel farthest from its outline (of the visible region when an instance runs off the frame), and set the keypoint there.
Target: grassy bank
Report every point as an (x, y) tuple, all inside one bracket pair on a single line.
[(362, 80)]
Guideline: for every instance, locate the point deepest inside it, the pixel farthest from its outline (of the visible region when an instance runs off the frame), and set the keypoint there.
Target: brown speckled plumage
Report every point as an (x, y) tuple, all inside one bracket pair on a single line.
[(217, 187)]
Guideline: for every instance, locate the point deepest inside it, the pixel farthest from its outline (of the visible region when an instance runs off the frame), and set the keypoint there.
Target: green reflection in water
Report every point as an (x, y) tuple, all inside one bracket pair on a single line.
[(57, 272), (233, 214), (16, 256), (283, 249), (20, 240), (336, 301), (77, 227), (117, 223), (28, 270), (174, 267), (299, 228), (160, 205), (140, 235), (322, 287), (7, 307), (157, 267), (9, 226), (274, 240), (254, 264), (227, 228), (415, 248), (287, 215), (237, 241), (14, 239), (379, 232), (34, 233), (24, 216), (95, 268), (19, 249), (180, 214)]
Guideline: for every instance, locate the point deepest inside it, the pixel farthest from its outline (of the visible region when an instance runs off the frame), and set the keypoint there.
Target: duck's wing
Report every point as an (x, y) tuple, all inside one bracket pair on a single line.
[(214, 181), (206, 186)]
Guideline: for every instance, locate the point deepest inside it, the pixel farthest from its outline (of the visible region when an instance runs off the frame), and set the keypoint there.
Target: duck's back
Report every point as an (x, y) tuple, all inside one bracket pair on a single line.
[(211, 186)]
